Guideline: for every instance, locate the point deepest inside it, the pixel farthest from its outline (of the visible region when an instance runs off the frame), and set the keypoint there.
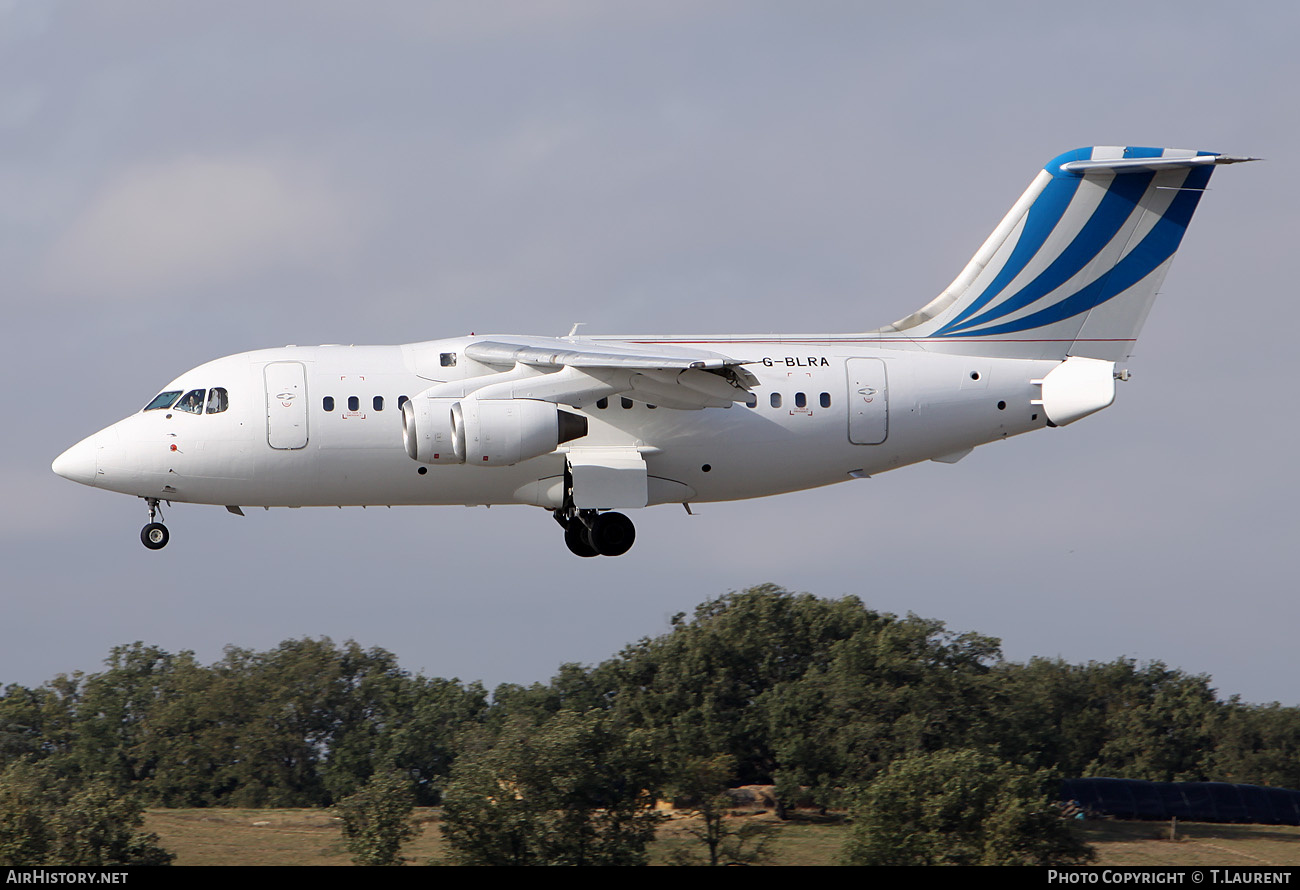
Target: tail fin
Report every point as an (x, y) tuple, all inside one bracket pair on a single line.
[(1074, 267)]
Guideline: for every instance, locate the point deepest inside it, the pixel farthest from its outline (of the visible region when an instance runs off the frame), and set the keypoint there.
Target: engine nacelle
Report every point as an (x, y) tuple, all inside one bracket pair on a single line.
[(485, 432), (504, 432), (427, 431)]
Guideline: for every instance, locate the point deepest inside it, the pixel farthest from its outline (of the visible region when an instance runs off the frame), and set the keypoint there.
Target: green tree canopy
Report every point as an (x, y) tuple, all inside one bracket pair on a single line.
[(803, 691), (302, 724), (574, 790), (699, 786), (377, 819), (46, 819), (814, 695), (960, 807)]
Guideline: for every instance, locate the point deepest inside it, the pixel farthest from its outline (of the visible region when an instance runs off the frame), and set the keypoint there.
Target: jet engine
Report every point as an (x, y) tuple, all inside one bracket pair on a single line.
[(427, 430), (485, 432)]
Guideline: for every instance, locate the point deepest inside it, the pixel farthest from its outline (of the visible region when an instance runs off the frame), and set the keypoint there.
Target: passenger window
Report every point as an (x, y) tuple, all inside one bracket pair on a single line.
[(163, 400), (354, 404), (401, 400), (192, 402), (751, 400), (448, 359), (328, 403), (602, 404), (217, 400), (648, 405), (826, 400), (776, 400), (800, 400), (378, 402), (627, 403)]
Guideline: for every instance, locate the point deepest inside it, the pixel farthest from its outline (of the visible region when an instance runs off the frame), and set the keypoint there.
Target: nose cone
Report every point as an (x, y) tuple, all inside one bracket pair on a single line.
[(79, 463)]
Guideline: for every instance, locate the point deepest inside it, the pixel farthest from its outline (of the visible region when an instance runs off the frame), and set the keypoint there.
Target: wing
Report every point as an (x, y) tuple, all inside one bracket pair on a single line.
[(593, 355), (580, 372)]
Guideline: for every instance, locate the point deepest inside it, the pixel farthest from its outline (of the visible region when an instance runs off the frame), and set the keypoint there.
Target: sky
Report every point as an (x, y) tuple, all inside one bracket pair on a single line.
[(184, 180)]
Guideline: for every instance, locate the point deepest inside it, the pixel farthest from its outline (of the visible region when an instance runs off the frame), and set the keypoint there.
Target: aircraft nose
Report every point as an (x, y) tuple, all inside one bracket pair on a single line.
[(79, 463)]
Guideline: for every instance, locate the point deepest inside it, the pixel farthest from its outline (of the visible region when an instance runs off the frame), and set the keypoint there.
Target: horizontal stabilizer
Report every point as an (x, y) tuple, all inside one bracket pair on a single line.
[(1137, 165)]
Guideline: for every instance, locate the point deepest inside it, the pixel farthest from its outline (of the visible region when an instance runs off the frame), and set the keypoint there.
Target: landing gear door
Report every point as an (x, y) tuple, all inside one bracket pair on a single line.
[(868, 401), (286, 405)]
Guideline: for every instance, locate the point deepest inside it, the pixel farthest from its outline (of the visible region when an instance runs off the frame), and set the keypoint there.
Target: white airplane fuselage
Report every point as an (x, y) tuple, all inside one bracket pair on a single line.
[(922, 406)]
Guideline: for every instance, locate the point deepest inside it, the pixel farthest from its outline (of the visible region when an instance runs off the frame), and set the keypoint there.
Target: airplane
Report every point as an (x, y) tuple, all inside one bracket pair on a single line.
[(1032, 333)]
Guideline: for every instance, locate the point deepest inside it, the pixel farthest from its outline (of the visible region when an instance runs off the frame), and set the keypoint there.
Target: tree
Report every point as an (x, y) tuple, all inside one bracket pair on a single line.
[(46, 820), (700, 786), (1161, 727), (24, 835), (97, 827), (574, 790), (804, 692), (34, 723), (705, 685), (409, 724), (1119, 718), (377, 819), (304, 724), (960, 807), (899, 686), (1258, 744)]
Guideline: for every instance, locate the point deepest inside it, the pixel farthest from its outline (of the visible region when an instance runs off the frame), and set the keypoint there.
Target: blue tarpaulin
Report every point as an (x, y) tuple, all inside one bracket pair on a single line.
[(1196, 801)]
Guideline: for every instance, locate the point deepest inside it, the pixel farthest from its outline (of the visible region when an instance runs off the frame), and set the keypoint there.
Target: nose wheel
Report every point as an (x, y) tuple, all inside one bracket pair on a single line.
[(154, 535), (588, 533)]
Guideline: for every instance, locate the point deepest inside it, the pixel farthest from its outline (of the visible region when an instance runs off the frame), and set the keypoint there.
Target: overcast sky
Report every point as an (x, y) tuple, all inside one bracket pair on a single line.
[(182, 181)]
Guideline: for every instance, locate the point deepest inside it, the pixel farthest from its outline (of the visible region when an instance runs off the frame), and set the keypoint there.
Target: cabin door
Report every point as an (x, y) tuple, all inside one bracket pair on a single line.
[(286, 405), (868, 400)]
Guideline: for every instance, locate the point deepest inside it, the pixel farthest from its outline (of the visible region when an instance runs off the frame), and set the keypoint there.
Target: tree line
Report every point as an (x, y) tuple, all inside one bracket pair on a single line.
[(817, 697)]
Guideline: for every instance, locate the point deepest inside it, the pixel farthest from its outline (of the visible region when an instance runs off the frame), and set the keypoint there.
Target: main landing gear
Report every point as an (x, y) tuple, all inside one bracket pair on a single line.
[(154, 535), (588, 533)]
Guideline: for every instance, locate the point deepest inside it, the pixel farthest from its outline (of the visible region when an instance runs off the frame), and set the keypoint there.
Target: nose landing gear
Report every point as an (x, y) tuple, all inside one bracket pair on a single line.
[(588, 533), (154, 535)]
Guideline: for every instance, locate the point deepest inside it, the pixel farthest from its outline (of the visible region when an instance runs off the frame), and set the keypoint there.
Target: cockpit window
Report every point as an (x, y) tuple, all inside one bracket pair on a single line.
[(217, 400), (163, 400), (192, 402)]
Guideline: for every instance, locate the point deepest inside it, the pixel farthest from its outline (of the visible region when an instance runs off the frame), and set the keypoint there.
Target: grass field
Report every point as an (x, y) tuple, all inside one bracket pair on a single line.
[(1197, 843), (313, 837)]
